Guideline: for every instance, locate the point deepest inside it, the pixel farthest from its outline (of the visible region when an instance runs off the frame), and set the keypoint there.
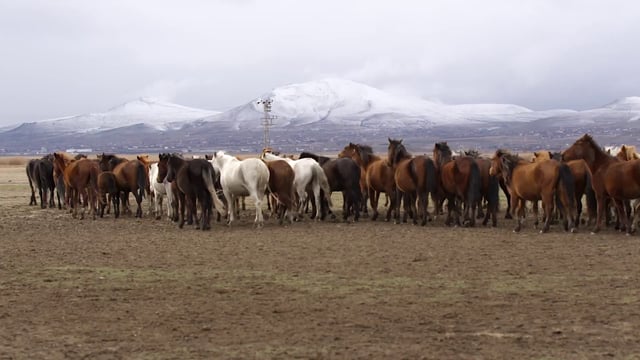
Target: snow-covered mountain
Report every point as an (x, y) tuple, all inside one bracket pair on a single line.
[(331, 108), (150, 112), (345, 102)]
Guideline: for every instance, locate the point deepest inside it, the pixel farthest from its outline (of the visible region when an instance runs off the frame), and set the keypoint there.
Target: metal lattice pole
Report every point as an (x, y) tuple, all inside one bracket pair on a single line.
[(267, 122)]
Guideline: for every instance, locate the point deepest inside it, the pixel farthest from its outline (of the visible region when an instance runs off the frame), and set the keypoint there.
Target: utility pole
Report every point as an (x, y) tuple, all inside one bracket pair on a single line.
[(267, 121)]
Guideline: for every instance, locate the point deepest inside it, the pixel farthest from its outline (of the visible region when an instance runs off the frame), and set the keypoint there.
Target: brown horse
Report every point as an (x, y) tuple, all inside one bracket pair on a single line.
[(489, 190), (81, 179), (581, 176), (281, 178), (460, 181), (376, 172), (415, 178), (131, 176), (108, 185), (613, 178), (533, 182), (627, 152), (194, 180)]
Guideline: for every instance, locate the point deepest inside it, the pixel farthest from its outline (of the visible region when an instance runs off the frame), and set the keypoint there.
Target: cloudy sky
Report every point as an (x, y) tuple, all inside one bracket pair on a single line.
[(70, 57)]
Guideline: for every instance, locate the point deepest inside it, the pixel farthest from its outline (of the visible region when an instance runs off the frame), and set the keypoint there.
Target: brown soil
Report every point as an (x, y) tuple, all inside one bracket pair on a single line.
[(132, 288)]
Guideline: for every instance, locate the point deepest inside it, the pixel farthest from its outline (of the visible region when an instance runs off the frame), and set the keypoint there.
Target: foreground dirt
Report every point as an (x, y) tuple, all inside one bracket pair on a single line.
[(132, 288)]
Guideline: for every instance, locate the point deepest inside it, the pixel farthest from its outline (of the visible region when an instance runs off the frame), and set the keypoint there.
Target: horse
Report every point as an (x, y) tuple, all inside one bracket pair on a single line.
[(627, 152), (489, 190), (249, 177), (281, 178), (343, 175), (582, 177), (108, 185), (58, 179), (611, 177), (80, 178), (536, 181), (376, 175), (460, 180), (415, 178), (131, 176), (194, 180), (40, 176), (159, 189), (309, 178)]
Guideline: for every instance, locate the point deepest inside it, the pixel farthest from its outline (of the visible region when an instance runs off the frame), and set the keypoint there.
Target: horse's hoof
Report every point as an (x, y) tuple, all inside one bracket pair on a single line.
[(574, 230)]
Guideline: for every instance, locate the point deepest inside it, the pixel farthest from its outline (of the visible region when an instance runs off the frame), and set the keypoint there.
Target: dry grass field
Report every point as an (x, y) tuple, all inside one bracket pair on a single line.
[(141, 288)]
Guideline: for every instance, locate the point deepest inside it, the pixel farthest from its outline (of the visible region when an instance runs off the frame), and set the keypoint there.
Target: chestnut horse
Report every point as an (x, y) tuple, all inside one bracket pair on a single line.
[(131, 176), (459, 180), (377, 174), (533, 182), (282, 190), (415, 178), (611, 177), (581, 176), (80, 178)]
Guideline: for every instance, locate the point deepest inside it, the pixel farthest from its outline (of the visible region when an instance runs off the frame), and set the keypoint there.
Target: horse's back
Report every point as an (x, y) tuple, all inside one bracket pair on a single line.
[(622, 179)]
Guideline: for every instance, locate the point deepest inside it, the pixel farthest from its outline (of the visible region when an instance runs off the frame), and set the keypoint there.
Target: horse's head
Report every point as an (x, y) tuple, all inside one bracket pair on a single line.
[(584, 148), (349, 151), (542, 155), (395, 151), (162, 167), (442, 153)]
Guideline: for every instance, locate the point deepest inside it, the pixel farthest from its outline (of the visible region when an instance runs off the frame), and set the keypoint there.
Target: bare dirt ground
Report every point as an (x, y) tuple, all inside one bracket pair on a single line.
[(127, 288)]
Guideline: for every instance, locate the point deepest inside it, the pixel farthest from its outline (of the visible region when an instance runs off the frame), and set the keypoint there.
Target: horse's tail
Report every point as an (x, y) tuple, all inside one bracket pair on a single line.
[(493, 194), (142, 178), (592, 203), (324, 184), (566, 180), (475, 185), (208, 178), (432, 177)]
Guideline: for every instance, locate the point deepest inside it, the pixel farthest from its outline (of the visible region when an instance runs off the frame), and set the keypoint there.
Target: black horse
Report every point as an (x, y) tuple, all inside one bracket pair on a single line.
[(343, 175), (40, 175)]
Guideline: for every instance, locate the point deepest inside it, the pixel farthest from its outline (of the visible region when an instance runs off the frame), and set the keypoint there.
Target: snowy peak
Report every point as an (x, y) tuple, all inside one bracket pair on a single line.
[(150, 112), (630, 103)]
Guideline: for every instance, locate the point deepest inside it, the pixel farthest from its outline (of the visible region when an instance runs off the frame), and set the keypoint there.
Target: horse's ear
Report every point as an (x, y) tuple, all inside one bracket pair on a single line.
[(389, 140), (536, 154)]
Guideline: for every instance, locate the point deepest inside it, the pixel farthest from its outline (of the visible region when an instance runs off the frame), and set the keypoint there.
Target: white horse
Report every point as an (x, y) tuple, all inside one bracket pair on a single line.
[(159, 190), (249, 177), (309, 175)]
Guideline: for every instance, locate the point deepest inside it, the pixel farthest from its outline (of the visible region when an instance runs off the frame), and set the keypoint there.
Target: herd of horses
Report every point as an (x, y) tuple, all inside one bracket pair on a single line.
[(469, 185)]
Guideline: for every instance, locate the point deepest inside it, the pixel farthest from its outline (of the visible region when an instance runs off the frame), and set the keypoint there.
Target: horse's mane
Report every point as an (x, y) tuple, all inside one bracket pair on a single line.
[(445, 152), (320, 159), (365, 152), (471, 153), (400, 151), (509, 162)]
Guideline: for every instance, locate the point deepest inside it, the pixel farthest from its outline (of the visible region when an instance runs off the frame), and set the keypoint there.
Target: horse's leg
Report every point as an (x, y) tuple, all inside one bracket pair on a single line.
[(231, 199), (157, 201), (518, 207), (601, 202), (548, 206), (395, 204), (258, 196), (182, 205)]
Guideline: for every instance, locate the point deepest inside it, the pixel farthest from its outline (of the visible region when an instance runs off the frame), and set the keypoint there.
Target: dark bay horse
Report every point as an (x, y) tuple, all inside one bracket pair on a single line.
[(194, 180), (377, 175), (81, 179), (131, 176), (415, 178), (40, 175), (611, 178), (460, 181), (108, 186), (343, 175), (490, 189), (533, 182)]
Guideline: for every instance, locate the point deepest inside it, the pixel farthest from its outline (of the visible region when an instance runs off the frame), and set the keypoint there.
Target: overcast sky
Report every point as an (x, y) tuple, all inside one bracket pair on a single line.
[(71, 57)]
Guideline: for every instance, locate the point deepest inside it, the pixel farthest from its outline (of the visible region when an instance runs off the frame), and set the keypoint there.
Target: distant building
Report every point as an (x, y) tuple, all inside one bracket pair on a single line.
[(79, 151)]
